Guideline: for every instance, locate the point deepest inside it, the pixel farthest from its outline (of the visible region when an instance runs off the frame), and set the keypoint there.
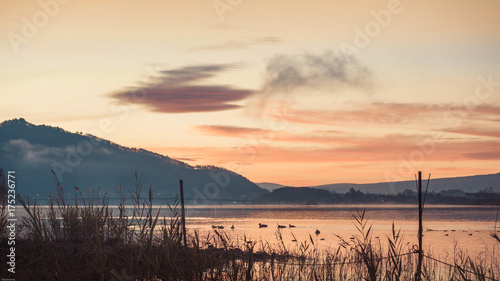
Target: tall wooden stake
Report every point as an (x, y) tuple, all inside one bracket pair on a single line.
[(420, 211), (183, 215)]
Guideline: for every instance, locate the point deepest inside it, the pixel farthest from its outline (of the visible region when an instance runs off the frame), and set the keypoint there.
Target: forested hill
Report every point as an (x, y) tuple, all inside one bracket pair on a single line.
[(85, 161)]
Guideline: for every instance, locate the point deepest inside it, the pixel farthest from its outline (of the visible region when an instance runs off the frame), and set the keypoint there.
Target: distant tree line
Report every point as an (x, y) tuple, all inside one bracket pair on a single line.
[(308, 195)]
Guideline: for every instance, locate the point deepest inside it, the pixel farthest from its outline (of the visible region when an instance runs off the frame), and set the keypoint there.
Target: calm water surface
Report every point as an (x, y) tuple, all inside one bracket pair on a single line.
[(467, 227)]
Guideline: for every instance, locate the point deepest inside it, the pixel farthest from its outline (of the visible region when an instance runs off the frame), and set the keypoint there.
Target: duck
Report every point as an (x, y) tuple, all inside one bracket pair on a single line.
[(317, 232), (232, 226), (281, 226), (291, 225), (262, 225)]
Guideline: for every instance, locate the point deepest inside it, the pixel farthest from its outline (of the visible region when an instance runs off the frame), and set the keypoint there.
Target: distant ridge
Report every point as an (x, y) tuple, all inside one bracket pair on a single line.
[(475, 183), (269, 185), (488, 182), (88, 161)]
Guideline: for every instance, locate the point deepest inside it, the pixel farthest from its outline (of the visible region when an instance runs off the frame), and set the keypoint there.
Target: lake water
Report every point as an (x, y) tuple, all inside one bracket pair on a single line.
[(467, 227)]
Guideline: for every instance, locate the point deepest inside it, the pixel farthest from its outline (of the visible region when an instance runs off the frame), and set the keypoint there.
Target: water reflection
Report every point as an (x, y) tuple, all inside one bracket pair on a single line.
[(467, 227)]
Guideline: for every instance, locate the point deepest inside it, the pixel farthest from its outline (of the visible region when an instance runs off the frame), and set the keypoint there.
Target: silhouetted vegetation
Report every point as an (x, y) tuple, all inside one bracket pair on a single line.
[(308, 195)]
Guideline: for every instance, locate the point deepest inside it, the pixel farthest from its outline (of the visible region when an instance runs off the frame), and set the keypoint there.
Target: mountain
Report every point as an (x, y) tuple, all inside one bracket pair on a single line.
[(269, 185), (86, 161), (477, 183)]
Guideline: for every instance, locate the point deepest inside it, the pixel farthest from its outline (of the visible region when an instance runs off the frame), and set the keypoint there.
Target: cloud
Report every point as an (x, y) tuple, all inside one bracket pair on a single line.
[(318, 137), (395, 113), (178, 91), (486, 155), (494, 133), (229, 131), (326, 71), (237, 44), (185, 159), (392, 148), (184, 90), (32, 153)]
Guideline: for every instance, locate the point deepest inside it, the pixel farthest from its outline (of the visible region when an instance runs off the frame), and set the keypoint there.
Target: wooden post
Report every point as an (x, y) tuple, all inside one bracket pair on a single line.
[(183, 215), (420, 211)]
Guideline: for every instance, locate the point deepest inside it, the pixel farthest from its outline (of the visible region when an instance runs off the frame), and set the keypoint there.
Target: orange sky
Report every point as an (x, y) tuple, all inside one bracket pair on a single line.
[(290, 92)]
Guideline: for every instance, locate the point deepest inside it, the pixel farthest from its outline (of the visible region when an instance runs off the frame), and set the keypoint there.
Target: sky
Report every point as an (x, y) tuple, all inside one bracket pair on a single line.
[(298, 93)]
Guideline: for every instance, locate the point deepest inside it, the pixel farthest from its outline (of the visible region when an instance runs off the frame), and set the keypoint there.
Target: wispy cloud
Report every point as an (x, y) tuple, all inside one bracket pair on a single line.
[(327, 72), (238, 44), (318, 137), (395, 113), (179, 91), (492, 132), (34, 153), (229, 131), (385, 149), (485, 155), (185, 159)]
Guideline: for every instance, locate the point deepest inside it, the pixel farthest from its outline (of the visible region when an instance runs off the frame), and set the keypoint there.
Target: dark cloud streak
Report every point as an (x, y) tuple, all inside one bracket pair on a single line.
[(229, 131), (177, 91)]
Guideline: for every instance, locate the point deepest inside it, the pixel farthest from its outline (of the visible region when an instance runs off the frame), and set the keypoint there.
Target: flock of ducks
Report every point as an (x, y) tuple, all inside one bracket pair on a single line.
[(445, 230), (317, 232), (261, 225), (220, 227)]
